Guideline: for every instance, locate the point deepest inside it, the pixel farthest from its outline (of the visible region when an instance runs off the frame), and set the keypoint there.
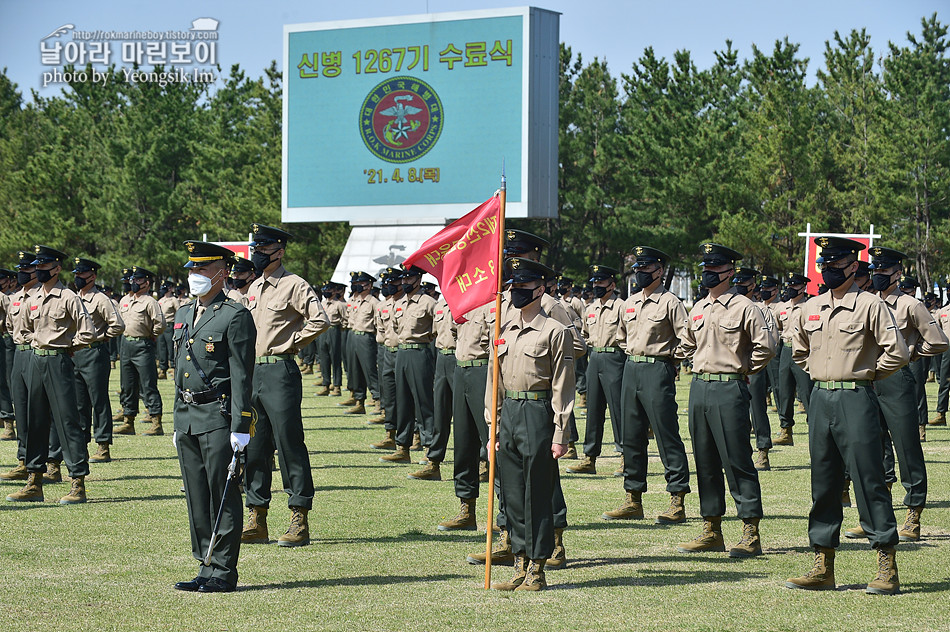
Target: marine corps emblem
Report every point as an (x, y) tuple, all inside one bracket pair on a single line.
[(822, 241), (401, 119), (209, 347), (639, 251), (191, 246), (708, 248)]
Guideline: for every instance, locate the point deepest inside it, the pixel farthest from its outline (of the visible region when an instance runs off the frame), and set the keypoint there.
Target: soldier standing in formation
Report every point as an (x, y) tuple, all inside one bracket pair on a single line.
[(728, 340), (329, 351), (362, 372), (144, 322), (92, 361), (791, 378), (288, 315), (7, 285), (169, 304), (846, 340), (443, 384), (242, 275), (214, 340)]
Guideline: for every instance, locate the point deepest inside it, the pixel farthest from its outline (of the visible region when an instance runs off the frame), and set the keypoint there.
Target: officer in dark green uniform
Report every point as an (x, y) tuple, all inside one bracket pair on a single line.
[(214, 341)]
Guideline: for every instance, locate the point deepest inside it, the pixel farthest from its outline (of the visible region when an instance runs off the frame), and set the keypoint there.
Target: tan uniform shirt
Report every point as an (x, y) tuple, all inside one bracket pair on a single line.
[(727, 335), (414, 317), (57, 319), (556, 310), (576, 305), (770, 324), (363, 313), (142, 316), (923, 335), (943, 318), (855, 338), (336, 311), (287, 313), (602, 325), (4, 307), (475, 335), (654, 325), (444, 326), (537, 356), (385, 328), (169, 305), (17, 316), (234, 295), (106, 322)]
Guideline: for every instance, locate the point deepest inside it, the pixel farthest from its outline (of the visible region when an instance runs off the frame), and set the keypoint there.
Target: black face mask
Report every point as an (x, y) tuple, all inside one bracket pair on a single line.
[(521, 296), (356, 288), (880, 282), (80, 282), (126, 287), (388, 290), (767, 294), (237, 284), (407, 288), (328, 295), (834, 277), (23, 277), (260, 260), (134, 287), (600, 292), (43, 275), (742, 289), (644, 279), (562, 291), (711, 279)]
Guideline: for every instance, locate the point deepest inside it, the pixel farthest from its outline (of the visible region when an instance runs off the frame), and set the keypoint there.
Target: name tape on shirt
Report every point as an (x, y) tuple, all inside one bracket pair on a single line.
[(814, 317)]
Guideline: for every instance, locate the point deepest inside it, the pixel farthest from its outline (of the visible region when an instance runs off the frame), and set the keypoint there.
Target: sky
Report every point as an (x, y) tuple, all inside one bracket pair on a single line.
[(250, 33)]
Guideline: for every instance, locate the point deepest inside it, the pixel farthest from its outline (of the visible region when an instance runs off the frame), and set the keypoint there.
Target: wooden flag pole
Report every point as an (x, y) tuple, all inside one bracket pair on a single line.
[(493, 430)]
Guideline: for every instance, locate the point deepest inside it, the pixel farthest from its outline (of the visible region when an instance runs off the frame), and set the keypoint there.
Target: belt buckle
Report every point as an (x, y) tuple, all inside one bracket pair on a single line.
[(188, 397)]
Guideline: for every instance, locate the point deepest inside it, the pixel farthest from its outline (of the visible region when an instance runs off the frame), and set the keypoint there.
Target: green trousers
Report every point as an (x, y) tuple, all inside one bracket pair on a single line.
[(6, 398), (308, 355), (844, 433), (442, 395), (330, 355), (276, 396), (918, 369), (414, 380), (92, 392), (471, 431), (649, 400), (719, 426), (792, 379), (362, 372), (204, 460), (52, 400), (387, 386), (604, 375), (897, 397), (758, 388), (139, 375), (528, 473), (165, 350), (20, 393), (943, 381)]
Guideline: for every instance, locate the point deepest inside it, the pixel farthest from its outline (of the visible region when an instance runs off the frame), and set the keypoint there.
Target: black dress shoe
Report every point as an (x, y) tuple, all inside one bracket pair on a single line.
[(215, 585), (193, 585)]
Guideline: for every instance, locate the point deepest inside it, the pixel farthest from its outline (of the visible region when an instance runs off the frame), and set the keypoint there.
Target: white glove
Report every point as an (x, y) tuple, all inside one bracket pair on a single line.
[(239, 441), (174, 439)]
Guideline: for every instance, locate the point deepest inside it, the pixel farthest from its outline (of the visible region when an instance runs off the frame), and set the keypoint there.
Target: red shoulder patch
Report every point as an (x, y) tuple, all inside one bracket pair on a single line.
[(631, 310), (439, 311), (814, 317), (32, 307), (695, 318), (179, 325), (783, 312), (592, 315), (16, 304), (491, 311), (500, 341)]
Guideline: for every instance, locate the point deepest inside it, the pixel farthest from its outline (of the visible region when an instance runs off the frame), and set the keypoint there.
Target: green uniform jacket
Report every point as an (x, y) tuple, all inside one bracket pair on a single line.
[(222, 343)]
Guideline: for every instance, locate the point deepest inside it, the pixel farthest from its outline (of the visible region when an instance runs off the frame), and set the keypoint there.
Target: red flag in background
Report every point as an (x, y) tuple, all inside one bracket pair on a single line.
[(463, 256)]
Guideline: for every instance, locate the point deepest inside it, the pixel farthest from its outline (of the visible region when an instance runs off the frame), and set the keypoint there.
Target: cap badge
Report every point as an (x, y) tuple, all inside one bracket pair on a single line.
[(191, 246), (708, 248)]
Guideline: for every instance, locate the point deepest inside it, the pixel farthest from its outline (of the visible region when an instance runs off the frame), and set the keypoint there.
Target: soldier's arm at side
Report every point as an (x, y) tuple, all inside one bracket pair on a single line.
[(85, 331), (158, 318), (894, 351), (761, 337), (679, 319), (800, 342), (115, 326), (560, 314), (241, 336), (562, 384), (932, 339), (315, 317)]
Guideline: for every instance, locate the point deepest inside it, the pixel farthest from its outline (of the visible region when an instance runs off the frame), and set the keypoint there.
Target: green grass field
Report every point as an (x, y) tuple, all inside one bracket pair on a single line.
[(377, 561)]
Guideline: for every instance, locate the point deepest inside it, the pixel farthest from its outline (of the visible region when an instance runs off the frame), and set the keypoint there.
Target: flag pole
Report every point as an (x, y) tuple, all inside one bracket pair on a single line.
[(493, 430)]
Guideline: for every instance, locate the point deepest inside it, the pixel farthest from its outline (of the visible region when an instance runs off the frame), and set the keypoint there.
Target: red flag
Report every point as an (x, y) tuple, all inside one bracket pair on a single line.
[(463, 256)]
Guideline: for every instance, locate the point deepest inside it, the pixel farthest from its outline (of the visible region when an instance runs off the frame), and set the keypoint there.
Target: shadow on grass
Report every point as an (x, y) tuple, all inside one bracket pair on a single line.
[(346, 488), (409, 536), (135, 499), (648, 577), (365, 580), (376, 465), (139, 477), (676, 558), (146, 458)]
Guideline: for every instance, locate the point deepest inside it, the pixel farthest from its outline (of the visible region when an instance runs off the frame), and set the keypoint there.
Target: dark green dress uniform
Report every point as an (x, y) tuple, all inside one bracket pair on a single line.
[(845, 344), (220, 345), (535, 395)]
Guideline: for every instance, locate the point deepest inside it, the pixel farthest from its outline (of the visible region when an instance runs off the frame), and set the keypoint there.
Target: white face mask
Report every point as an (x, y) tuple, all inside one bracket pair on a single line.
[(199, 285)]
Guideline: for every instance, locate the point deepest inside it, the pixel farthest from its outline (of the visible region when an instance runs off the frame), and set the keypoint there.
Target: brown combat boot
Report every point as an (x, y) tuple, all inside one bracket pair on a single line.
[(324, 391), (571, 453), (619, 471), (856, 533), (429, 472), (255, 531), (822, 573), (801, 407), (482, 471), (350, 401), (18, 473), (588, 465), (307, 369), (298, 533), (53, 473), (388, 442), (886, 582), (401, 455), (762, 461), (534, 579), (677, 511), (118, 417), (581, 400), (102, 455), (784, 437), (359, 409), (846, 494), (630, 509), (931, 377), (128, 426), (162, 374), (335, 391), (749, 545), (923, 434), (32, 492), (9, 431), (558, 557), (156, 428), (77, 492), (521, 571), (378, 419), (416, 442), (910, 532), (500, 552), (939, 420), (464, 520), (709, 540)]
